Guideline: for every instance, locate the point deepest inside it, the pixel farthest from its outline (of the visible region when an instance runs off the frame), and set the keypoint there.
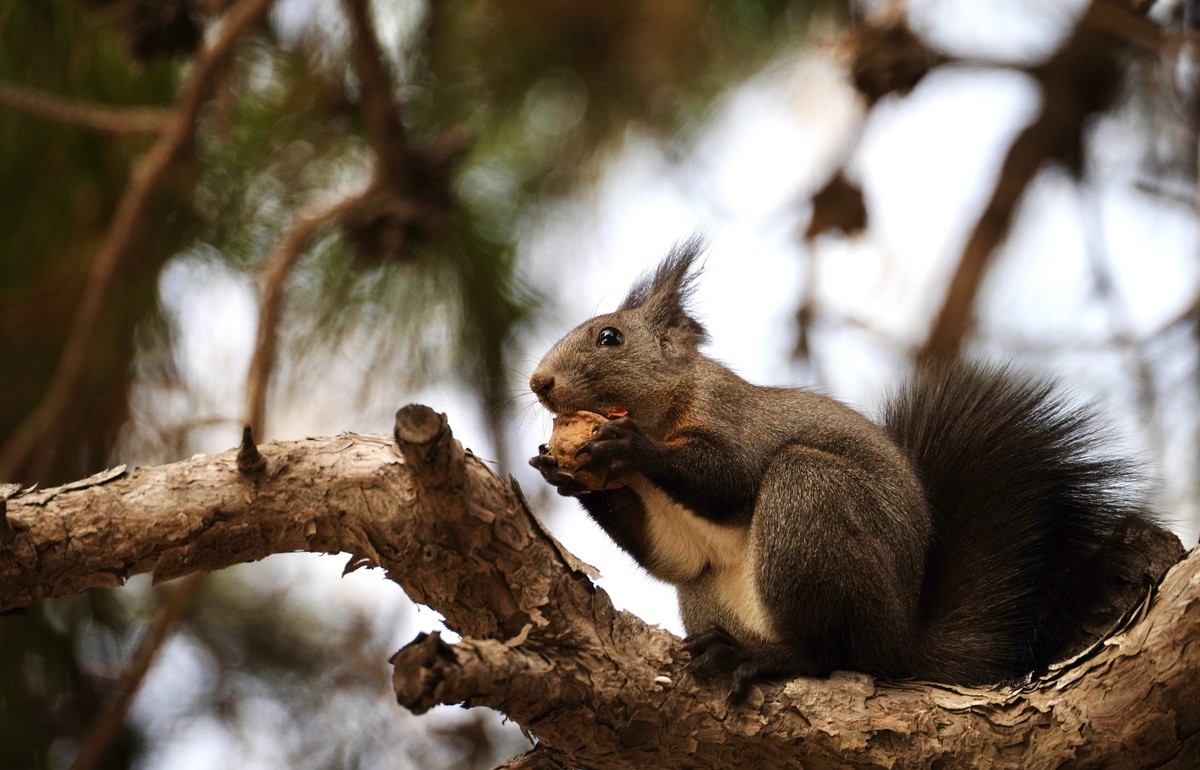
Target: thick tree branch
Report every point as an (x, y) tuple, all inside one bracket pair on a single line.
[(599, 688), (349, 494)]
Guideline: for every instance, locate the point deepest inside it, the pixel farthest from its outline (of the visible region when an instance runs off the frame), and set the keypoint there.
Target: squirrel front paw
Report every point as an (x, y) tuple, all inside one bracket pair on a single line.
[(563, 482), (610, 453)]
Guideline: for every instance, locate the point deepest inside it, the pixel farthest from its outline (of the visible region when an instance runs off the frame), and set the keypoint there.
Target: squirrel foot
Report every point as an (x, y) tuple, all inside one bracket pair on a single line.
[(718, 654)]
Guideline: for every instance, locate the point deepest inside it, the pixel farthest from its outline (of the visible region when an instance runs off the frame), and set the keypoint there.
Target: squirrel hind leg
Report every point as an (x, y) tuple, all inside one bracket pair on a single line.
[(717, 655), (837, 553)]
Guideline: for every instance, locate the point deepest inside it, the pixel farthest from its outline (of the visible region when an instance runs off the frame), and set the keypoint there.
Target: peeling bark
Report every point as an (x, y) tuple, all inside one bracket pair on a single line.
[(599, 688)]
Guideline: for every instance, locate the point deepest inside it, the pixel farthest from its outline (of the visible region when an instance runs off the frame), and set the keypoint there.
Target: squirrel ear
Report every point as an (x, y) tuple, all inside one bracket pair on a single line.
[(665, 294)]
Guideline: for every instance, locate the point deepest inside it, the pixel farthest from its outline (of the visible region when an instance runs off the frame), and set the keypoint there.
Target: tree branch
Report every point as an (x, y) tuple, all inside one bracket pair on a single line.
[(76, 112), (1076, 82), (598, 687), (149, 172), (274, 274), (96, 743), (412, 184), (377, 219), (381, 113), (350, 494)]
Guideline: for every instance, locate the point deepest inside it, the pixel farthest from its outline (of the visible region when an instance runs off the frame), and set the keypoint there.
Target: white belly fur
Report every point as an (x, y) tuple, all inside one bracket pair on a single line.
[(686, 548)]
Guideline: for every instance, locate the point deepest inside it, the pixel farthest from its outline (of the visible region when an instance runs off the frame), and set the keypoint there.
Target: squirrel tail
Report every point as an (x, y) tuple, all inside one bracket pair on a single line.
[(1027, 519)]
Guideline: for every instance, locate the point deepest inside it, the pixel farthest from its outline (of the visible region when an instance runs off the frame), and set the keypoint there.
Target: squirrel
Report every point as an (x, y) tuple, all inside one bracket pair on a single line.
[(961, 540)]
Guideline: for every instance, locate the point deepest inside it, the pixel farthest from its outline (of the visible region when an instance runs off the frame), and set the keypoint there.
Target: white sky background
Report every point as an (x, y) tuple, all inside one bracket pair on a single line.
[(926, 163)]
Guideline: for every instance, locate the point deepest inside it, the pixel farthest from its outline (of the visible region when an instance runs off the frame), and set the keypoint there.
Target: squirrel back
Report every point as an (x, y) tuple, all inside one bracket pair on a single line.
[(975, 536)]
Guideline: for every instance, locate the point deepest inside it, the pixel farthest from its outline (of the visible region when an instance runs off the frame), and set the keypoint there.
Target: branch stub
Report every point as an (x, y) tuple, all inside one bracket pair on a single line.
[(250, 461), (424, 439)]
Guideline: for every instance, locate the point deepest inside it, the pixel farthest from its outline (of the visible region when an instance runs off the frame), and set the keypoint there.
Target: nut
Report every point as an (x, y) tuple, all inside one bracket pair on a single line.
[(572, 431)]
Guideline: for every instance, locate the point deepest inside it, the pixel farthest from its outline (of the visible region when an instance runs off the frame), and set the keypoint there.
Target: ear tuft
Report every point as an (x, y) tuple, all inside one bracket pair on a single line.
[(666, 293)]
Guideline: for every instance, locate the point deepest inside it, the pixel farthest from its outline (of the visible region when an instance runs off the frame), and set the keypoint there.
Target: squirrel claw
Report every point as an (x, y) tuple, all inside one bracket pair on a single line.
[(714, 652), (719, 655), (610, 450), (562, 481), (604, 465)]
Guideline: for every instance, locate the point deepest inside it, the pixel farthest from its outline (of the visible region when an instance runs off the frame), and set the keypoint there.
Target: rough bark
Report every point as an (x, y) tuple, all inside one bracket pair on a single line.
[(599, 688)]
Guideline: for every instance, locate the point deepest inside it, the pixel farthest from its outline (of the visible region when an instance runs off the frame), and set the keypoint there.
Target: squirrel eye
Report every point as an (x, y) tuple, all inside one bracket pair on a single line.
[(609, 337)]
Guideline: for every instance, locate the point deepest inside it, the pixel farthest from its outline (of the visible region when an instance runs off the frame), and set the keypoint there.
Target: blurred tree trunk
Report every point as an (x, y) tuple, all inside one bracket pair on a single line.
[(540, 642)]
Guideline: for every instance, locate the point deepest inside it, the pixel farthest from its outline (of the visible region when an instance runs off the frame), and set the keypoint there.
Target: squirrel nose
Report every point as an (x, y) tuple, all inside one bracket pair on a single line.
[(541, 383)]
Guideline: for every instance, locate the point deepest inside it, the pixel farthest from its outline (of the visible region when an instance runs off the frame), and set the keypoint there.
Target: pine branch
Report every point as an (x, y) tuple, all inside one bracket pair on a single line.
[(77, 112), (540, 642), (273, 276), (1077, 81)]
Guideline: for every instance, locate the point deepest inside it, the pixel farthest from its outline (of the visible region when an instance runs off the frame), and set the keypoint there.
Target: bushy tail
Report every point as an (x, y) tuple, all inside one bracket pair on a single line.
[(1027, 519)]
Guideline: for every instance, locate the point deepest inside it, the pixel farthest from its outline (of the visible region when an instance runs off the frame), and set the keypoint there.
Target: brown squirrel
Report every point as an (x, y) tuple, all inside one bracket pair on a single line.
[(960, 541)]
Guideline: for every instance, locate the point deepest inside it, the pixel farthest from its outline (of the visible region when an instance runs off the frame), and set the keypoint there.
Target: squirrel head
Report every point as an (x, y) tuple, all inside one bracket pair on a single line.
[(640, 358)]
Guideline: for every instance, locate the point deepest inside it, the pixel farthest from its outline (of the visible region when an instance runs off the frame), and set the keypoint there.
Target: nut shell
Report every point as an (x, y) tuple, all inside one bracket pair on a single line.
[(572, 431)]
